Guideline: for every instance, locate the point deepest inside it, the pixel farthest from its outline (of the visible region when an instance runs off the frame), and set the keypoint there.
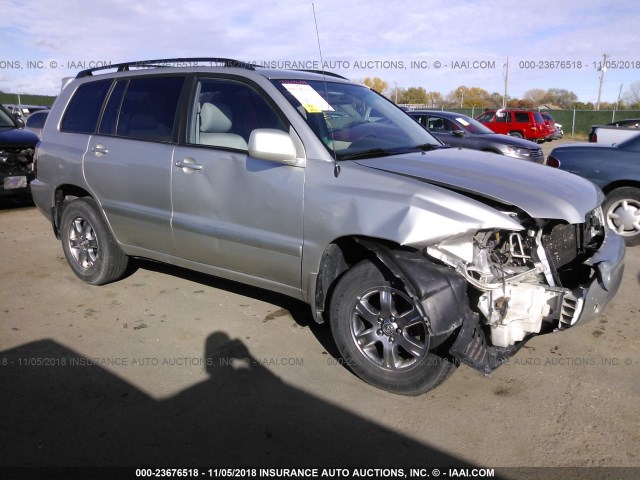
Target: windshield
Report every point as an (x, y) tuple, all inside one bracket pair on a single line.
[(353, 121), (6, 120), (472, 126)]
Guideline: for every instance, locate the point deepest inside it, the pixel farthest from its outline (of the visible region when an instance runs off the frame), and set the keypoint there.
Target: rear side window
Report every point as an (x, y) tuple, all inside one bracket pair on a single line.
[(522, 117), (148, 109), (84, 108), (110, 115), (538, 118), (504, 117)]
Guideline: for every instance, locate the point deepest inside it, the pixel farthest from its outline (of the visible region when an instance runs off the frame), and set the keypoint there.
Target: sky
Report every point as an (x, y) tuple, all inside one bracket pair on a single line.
[(431, 44)]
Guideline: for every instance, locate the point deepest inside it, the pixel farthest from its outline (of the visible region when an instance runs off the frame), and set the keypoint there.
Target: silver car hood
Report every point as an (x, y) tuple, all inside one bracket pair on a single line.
[(542, 192)]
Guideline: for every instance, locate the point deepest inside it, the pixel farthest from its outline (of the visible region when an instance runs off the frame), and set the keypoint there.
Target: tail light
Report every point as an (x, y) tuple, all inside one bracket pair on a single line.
[(594, 138), (552, 162)]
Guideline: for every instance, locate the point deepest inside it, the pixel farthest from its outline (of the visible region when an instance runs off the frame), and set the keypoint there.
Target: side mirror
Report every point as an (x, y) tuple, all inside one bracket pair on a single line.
[(272, 145), (458, 133), (20, 121)]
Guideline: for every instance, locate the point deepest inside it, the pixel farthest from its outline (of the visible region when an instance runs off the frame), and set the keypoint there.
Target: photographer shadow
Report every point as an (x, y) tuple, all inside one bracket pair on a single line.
[(73, 413)]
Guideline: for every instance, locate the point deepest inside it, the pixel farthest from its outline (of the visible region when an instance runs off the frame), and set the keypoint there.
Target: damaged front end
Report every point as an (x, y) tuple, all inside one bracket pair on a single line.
[(546, 277), (16, 168)]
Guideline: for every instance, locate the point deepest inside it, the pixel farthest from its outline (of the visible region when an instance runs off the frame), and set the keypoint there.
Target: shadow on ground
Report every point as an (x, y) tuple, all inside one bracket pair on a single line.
[(11, 202), (59, 409)]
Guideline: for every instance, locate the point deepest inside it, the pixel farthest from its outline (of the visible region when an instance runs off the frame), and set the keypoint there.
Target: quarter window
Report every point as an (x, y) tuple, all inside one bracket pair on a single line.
[(84, 108)]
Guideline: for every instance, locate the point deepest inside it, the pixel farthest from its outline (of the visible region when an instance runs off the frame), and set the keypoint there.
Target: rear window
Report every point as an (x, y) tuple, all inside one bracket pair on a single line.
[(149, 107), (84, 108)]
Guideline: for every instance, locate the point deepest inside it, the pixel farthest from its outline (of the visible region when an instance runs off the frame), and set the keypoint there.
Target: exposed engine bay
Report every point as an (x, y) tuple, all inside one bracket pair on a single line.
[(525, 282)]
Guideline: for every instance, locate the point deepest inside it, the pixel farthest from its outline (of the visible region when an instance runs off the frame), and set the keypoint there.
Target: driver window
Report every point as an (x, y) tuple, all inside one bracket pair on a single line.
[(225, 112)]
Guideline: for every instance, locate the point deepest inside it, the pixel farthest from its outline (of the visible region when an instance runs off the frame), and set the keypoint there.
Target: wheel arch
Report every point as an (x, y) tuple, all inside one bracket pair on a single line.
[(439, 292), (61, 195), (607, 189)]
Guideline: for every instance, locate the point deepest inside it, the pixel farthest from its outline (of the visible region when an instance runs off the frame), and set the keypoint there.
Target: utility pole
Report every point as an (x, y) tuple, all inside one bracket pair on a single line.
[(603, 68), (619, 94), (506, 82), (461, 98)]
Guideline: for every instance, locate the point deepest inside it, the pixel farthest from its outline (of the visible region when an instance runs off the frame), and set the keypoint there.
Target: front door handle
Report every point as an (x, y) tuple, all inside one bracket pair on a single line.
[(189, 165)]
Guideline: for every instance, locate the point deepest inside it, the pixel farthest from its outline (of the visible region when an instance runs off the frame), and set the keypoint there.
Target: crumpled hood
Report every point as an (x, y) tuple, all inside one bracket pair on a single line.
[(542, 192)]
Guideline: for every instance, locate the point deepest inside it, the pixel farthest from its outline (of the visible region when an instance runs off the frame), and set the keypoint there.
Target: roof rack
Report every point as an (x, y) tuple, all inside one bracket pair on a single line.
[(321, 72), (169, 62)]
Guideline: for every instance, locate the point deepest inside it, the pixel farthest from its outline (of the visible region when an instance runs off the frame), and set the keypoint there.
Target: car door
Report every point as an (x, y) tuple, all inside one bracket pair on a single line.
[(128, 161), (236, 213), (443, 129)]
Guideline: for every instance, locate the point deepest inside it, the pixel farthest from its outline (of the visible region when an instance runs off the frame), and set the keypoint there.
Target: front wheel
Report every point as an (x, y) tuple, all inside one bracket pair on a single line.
[(90, 249), (622, 213), (382, 336)]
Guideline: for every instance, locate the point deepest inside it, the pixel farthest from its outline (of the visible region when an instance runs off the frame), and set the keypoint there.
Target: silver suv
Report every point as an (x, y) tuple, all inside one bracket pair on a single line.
[(421, 257)]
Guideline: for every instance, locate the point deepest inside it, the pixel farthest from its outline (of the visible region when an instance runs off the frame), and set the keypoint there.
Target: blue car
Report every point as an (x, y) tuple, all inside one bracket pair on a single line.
[(616, 170)]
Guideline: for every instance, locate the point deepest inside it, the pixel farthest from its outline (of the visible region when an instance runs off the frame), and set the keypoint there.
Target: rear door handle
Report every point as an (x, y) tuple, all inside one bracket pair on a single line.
[(100, 150)]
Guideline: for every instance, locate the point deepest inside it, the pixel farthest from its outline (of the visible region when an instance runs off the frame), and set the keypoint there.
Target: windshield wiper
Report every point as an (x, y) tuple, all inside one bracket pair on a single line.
[(425, 147), (372, 152)]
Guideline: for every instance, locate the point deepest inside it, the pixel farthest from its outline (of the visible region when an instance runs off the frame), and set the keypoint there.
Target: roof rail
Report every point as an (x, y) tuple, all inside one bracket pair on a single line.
[(169, 62), (322, 72)]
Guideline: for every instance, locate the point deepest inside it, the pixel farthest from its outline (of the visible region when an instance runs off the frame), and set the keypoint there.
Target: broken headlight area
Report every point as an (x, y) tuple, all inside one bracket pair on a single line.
[(528, 281), (16, 157)]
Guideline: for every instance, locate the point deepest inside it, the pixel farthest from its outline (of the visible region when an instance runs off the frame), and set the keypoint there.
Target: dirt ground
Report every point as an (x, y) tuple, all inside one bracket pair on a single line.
[(168, 367)]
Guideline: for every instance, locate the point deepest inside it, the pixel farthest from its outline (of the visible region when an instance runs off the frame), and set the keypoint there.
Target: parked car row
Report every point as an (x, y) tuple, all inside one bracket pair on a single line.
[(462, 131)]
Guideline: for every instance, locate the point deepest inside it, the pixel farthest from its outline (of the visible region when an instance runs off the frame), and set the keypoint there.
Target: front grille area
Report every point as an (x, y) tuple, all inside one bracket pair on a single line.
[(568, 245), (562, 244), (537, 153)]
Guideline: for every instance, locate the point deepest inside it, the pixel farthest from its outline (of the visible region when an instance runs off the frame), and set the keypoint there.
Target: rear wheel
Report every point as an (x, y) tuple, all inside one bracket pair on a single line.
[(516, 134), (622, 213), (381, 335), (90, 249)]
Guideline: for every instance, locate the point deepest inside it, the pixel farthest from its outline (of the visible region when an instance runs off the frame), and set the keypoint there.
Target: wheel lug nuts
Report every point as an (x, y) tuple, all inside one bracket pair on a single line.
[(379, 332), (398, 331)]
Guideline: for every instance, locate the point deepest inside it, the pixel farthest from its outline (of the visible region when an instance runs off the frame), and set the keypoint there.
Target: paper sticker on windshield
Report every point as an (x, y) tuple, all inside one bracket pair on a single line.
[(463, 122), (308, 97)]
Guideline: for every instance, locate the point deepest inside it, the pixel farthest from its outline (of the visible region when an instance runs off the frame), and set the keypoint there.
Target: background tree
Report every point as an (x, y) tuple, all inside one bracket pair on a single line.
[(560, 97), (467, 97), (415, 95), (376, 84), (632, 96), (535, 96)]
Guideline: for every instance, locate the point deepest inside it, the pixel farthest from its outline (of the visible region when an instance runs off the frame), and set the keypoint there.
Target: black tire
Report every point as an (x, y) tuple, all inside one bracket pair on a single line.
[(381, 336), (516, 134), (622, 213), (91, 251)]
